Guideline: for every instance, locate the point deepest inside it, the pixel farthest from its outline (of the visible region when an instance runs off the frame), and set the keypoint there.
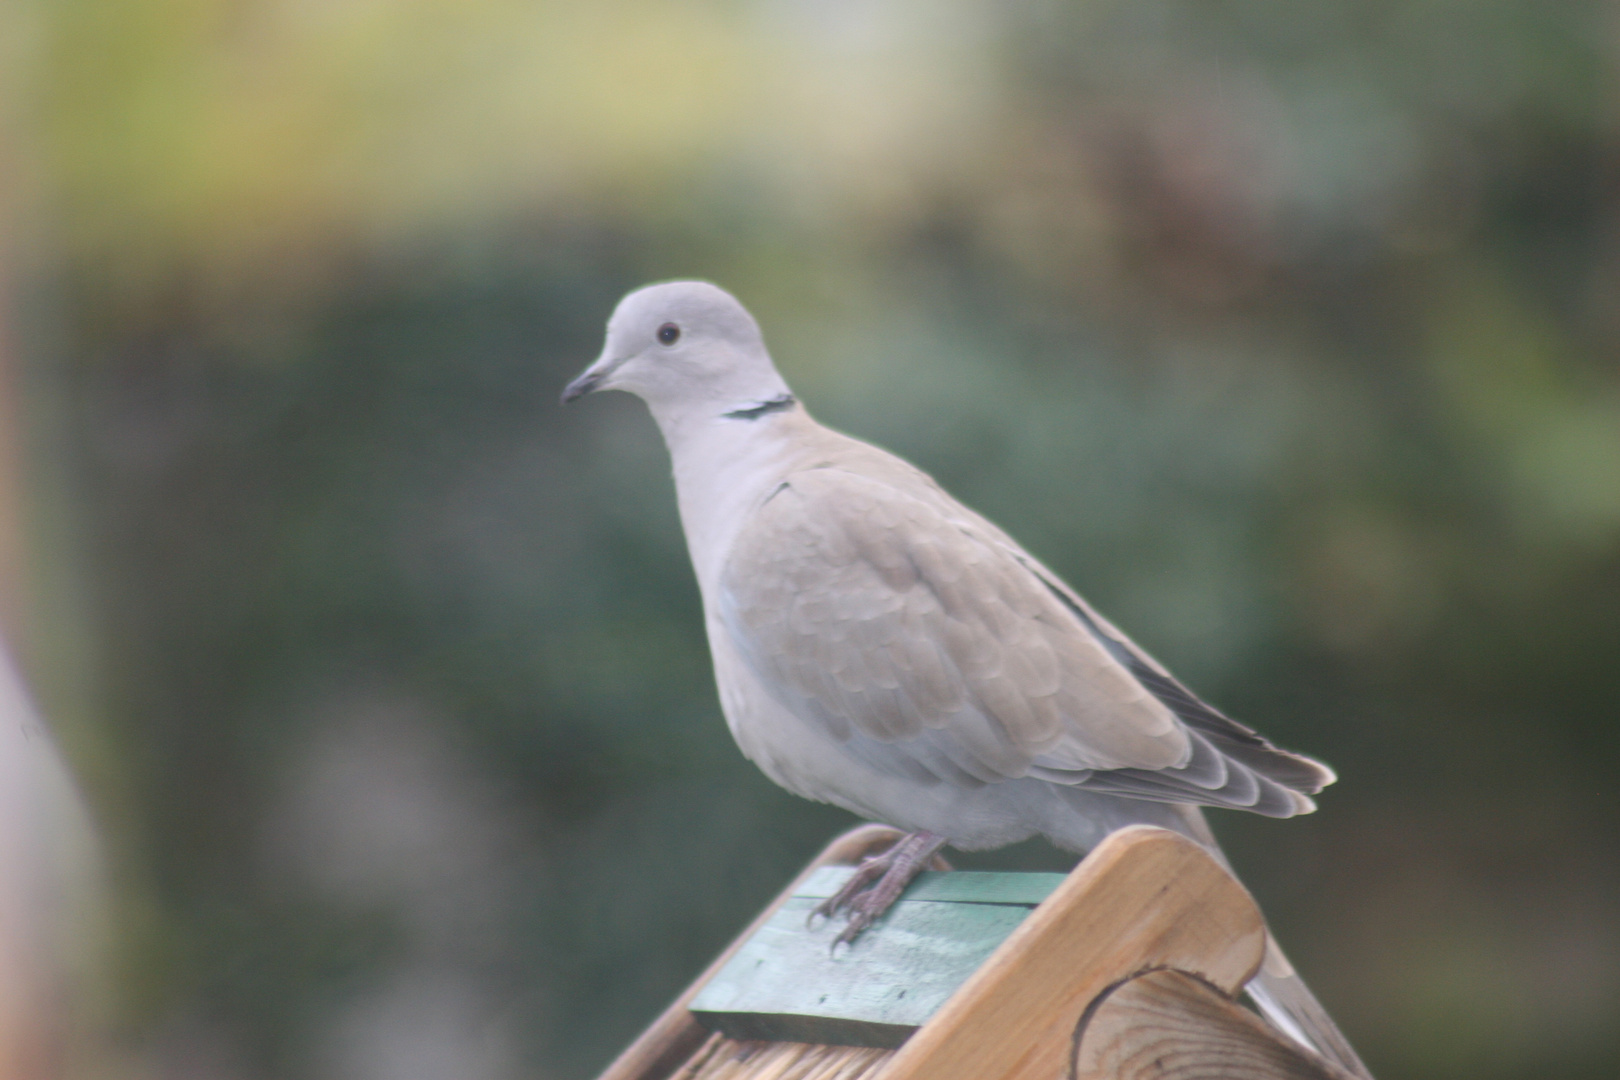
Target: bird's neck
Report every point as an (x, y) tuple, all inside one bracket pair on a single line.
[(725, 464)]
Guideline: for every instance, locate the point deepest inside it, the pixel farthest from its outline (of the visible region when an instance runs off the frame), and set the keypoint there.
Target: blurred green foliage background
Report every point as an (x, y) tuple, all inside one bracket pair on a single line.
[(1288, 332)]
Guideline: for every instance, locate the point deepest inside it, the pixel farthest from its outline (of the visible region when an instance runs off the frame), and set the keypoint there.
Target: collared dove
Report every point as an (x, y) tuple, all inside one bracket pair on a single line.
[(883, 648)]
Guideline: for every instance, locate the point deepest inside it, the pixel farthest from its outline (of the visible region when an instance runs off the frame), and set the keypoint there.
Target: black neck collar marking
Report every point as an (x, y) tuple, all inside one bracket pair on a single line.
[(754, 412)]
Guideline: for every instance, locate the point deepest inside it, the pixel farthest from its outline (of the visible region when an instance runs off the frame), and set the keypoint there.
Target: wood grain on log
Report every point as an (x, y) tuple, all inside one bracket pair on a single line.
[(1167, 1025)]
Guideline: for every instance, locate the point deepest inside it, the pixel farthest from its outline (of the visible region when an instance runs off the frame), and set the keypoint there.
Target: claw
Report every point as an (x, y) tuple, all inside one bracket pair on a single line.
[(852, 929), (865, 901), (872, 868)]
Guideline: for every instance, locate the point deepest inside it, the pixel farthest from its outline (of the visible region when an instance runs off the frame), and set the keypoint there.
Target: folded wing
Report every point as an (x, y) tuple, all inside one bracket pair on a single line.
[(928, 643)]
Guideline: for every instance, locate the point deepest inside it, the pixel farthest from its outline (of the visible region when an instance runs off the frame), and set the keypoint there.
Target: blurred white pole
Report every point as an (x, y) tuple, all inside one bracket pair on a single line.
[(47, 895)]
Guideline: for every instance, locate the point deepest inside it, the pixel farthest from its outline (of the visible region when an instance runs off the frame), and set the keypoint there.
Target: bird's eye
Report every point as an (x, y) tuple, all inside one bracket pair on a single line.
[(669, 334)]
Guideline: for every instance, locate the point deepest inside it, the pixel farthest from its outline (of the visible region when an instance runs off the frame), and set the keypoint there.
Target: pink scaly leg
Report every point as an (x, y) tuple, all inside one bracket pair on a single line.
[(893, 871)]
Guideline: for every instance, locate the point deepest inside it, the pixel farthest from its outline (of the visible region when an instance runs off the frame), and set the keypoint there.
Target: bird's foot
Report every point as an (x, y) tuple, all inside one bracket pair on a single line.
[(877, 883)]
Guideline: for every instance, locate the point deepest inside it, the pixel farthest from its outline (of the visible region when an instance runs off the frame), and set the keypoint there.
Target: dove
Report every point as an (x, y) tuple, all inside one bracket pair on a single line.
[(881, 647)]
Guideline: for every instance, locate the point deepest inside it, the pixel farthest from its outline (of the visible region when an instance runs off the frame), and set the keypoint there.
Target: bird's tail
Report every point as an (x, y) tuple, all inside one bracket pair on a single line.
[(1283, 998)]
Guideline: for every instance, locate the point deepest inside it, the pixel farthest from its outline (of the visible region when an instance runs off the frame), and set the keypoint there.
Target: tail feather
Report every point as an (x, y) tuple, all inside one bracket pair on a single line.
[(1283, 998)]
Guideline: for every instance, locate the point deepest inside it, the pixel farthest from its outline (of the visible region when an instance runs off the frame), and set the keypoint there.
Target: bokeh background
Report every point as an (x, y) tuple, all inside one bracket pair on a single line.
[(1288, 332)]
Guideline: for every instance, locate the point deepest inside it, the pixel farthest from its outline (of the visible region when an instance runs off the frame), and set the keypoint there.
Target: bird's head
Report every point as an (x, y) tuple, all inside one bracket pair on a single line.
[(687, 348)]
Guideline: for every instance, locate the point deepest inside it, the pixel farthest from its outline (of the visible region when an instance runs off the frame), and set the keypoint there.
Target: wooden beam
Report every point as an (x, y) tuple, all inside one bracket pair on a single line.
[(1167, 1023)]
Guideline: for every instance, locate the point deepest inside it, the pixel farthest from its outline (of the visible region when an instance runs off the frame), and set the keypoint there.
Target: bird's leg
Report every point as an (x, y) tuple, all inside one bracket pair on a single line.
[(892, 871)]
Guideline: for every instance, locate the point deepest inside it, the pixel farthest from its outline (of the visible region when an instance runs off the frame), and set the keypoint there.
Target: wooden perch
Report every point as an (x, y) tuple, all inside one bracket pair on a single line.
[(1126, 968)]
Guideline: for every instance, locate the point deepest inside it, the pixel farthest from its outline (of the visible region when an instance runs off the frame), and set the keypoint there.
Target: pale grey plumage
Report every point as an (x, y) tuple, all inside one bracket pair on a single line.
[(879, 646), (872, 602)]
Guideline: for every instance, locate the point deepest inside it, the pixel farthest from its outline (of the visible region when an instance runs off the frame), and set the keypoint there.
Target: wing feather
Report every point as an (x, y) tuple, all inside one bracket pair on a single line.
[(927, 625), (925, 640)]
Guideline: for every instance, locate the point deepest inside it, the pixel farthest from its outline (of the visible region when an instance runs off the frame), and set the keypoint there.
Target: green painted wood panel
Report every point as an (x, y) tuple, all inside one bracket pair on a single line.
[(786, 983)]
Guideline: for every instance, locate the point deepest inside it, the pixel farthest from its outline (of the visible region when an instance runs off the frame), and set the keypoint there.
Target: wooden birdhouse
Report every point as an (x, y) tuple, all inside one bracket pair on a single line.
[(1125, 968)]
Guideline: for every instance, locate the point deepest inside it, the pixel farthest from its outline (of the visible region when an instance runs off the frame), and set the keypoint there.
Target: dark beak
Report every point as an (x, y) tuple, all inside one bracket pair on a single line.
[(582, 386)]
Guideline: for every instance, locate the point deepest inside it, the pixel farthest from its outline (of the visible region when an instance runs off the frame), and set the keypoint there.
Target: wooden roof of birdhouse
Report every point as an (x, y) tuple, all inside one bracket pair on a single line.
[(1125, 968)]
